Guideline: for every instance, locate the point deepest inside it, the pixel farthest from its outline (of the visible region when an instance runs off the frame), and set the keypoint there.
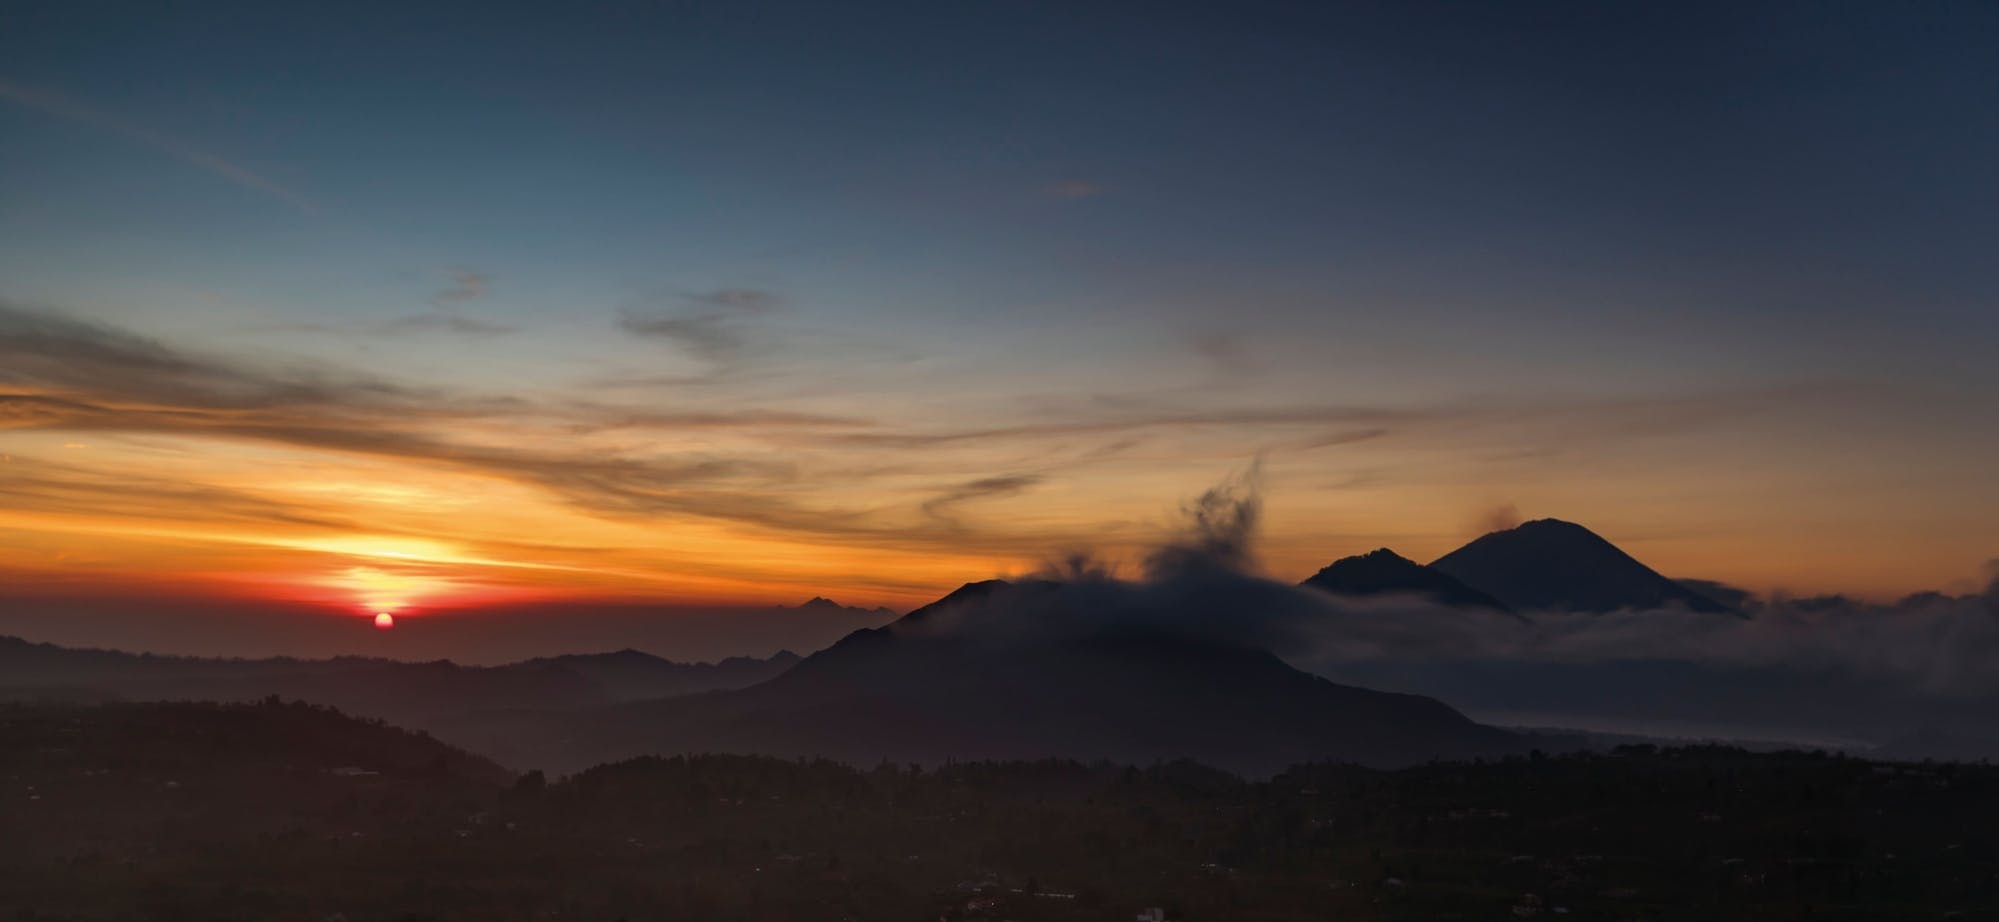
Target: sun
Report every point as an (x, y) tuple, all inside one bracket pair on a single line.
[(384, 620)]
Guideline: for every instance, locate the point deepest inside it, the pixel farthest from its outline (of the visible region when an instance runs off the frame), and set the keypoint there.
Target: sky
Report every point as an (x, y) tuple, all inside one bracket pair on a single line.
[(434, 307)]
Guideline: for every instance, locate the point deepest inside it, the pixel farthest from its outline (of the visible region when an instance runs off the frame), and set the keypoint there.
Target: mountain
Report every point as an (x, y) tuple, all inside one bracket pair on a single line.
[(413, 694), (1551, 565), (631, 675), (820, 603), (919, 690), (1383, 571)]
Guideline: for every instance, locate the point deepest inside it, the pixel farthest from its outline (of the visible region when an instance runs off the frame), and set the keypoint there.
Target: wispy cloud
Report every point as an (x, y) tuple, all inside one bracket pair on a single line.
[(449, 322), (1225, 351), (462, 287), (885, 482), (63, 107), (751, 300), (59, 373), (707, 336), (940, 506), (709, 325), (465, 285)]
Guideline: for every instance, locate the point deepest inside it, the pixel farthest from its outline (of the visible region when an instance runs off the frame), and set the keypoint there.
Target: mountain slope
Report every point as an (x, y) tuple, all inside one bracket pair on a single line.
[(1383, 571), (912, 692), (1551, 565), (632, 675)]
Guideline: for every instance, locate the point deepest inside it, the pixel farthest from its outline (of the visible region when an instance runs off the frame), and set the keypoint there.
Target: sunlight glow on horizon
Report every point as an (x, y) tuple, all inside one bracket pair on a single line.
[(807, 327)]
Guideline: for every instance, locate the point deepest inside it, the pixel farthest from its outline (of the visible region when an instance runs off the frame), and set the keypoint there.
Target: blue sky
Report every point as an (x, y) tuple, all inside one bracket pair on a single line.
[(1723, 271)]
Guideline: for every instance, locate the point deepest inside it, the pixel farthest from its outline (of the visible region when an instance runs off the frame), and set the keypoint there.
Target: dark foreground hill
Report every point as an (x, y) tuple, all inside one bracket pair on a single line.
[(1384, 572), (911, 692), (1551, 565), (279, 811)]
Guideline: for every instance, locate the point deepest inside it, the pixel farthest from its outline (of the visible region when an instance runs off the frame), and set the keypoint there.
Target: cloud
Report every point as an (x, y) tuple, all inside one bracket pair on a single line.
[(815, 476), (450, 322), (1499, 518), (940, 506), (63, 107), (63, 374), (751, 300), (1562, 424), (466, 285), (708, 336), (1227, 352), (30, 485), (463, 287), (65, 359), (1825, 667), (1221, 526), (709, 325)]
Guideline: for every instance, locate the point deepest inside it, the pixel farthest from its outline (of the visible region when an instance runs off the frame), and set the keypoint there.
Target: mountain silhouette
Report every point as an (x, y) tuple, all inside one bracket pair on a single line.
[(1382, 571), (413, 694), (919, 691), (820, 603), (1552, 565), (631, 675)]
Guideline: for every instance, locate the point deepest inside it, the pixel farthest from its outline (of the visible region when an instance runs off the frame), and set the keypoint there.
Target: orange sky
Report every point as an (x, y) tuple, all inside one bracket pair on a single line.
[(131, 459)]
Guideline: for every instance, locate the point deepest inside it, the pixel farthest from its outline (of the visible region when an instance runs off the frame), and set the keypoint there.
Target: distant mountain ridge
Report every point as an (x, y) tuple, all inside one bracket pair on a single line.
[(410, 693), (1382, 571), (1552, 565), (821, 603)]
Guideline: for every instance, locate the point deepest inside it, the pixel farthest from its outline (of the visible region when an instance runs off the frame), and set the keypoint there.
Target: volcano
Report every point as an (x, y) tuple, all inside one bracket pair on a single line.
[(919, 690), (1552, 565)]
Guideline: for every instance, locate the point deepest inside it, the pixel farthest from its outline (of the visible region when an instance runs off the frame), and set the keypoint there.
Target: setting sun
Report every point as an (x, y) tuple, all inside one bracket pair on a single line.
[(384, 620)]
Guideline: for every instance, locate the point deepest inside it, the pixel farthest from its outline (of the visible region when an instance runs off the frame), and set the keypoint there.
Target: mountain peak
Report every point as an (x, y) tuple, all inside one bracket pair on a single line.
[(969, 592), (1553, 565), (1382, 571)]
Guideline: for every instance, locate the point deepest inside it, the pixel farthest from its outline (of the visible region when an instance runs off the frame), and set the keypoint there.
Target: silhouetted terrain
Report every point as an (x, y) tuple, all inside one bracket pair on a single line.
[(630, 675), (410, 693), (1551, 565), (909, 692), (1376, 660), (1382, 571), (283, 811)]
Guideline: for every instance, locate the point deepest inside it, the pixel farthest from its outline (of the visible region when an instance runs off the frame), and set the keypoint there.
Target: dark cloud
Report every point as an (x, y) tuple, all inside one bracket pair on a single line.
[(30, 484), (1221, 526), (59, 373), (940, 506), (714, 337), (710, 325), (1561, 425), (1134, 422), (748, 300), (60, 358)]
